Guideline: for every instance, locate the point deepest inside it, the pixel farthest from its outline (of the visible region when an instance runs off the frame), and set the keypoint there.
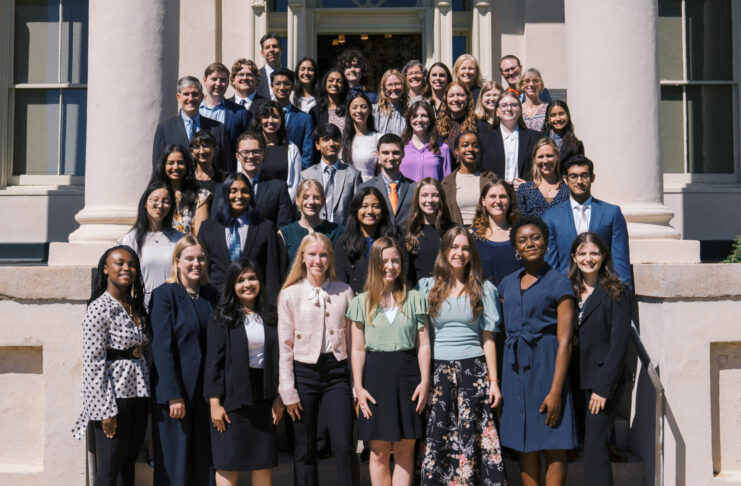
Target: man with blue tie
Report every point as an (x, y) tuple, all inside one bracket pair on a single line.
[(216, 107), (299, 125), (181, 128), (582, 213)]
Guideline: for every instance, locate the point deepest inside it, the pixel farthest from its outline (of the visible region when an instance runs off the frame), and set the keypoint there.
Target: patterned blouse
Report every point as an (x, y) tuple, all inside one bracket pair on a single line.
[(182, 220), (537, 121), (107, 325)]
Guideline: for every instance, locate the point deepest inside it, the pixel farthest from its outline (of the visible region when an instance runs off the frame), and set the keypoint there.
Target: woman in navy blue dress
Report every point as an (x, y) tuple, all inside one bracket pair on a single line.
[(547, 189), (537, 410)]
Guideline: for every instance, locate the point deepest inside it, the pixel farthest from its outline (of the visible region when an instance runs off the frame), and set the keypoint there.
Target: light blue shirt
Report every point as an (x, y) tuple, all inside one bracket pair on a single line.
[(186, 119), (217, 113), (457, 334), (387, 181)]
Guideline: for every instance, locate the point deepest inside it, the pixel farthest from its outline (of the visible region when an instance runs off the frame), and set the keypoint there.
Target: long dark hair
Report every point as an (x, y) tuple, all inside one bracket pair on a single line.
[(417, 217), (569, 142), (355, 244), (229, 311), (188, 186), (350, 132), (100, 283), (221, 209), (607, 277), (322, 97), (434, 143), (205, 137), (263, 111), (141, 227), (298, 90), (480, 223)]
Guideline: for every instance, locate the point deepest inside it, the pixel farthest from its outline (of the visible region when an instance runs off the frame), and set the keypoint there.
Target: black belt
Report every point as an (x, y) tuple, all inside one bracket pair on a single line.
[(134, 352)]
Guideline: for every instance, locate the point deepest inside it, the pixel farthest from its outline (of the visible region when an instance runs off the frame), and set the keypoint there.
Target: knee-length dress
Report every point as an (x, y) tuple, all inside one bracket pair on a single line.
[(529, 362)]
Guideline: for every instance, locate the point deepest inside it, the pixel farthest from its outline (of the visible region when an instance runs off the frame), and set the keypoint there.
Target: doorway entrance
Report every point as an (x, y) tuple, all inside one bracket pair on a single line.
[(383, 51)]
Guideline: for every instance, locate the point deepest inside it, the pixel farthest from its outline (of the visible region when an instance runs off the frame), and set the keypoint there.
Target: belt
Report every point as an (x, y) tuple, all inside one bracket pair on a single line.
[(134, 352), (518, 348)]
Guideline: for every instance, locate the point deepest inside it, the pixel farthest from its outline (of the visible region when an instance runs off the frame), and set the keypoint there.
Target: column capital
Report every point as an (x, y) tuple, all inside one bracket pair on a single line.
[(482, 5), (258, 5), (442, 5)]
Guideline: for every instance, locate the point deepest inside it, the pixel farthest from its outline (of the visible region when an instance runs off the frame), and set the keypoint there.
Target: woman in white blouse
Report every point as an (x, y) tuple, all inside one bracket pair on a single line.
[(152, 237), (115, 367), (360, 138), (313, 340)]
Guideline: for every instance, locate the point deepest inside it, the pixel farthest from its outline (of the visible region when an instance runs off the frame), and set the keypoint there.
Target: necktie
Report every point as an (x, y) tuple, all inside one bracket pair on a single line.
[(329, 172), (235, 246), (393, 196), (583, 223), (242, 102), (191, 128)]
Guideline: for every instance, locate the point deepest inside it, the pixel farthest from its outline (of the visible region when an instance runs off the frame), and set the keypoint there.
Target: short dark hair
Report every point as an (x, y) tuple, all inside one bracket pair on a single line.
[(216, 66), (576, 159), (348, 56), (510, 56), (283, 72), (270, 35), (327, 130), (390, 138), (524, 221)]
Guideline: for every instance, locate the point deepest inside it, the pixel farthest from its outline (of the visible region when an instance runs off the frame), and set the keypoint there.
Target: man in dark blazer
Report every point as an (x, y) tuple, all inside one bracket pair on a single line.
[(270, 196), (339, 180), (271, 51), (391, 182), (583, 213), (493, 157), (245, 78), (216, 107), (180, 128), (299, 125)]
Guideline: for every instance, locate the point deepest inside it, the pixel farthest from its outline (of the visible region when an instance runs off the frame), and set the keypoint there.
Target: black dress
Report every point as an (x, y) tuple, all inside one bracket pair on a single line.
[(422, 263), (275, 165)]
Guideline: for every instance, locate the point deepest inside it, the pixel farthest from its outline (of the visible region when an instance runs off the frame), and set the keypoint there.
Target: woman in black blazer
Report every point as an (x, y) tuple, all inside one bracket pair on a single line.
[(331, 100), (180, 310), (241, 377), (493, 157), (603, 325), (560, 129), (236, 230), (367, 220)]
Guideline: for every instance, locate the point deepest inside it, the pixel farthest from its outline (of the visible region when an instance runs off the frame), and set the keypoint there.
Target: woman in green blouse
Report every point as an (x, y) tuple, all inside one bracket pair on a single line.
[(390, 364)]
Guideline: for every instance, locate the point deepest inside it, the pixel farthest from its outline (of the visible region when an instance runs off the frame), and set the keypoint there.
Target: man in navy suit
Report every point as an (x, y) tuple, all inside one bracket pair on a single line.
[(397, 190), (583, 213), (245, 77), (271, 51), (216, 107), (299, 125), (181, 128)]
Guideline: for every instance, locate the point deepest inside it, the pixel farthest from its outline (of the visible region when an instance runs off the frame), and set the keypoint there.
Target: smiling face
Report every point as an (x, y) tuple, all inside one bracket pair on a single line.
[(390, 265), (120, 268), (353, 73), (189, 98), (588, 258), (270, 123), (438, 78), (192, 264), (415, 78), (216, 83), (271, 52), (245, 81), (175, 167), (282, 87), (329, 148), (239, 198), (359, 110), (429, 199), (203, 153), (579, 181), (369, 213), (530, 243), (467, 151), (545, 160), (509, 109), (467, 72), (250, 156), (558, 118), (420, 121), (310, 202), (457, 100), (247, 287), (158, 204), (389, 157), (334, 84), (459, 254), (306, 73), (511, 71), (496, 201), (489, 99), (532, 85), (316, 260), (394, 88)]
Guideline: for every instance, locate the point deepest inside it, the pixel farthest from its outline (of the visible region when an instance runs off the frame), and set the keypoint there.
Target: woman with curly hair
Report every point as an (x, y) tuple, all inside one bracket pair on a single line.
[(457, 114), (392, 103)]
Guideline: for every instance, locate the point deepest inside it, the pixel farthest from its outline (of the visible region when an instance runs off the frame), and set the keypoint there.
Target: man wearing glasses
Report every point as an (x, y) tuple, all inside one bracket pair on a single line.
[(245, 78), (582, 213), (299, 125), (511, 70)]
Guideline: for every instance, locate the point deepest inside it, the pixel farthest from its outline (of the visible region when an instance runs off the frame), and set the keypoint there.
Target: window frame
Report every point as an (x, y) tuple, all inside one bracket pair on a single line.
[(687, 177), (8, 89)]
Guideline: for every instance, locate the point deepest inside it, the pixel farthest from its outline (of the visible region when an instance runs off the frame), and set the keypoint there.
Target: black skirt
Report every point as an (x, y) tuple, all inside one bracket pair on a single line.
[(391, 377), (249, 442)]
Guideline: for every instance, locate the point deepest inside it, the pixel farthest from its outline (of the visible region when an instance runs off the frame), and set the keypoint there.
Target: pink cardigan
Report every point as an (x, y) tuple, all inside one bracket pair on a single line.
[(301, 325)]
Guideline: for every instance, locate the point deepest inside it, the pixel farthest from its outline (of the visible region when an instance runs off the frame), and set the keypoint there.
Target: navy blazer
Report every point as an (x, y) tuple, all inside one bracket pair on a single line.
[(406, 196), (492, 150), (604, 328), (257, 100), (173, 131), (606, 220), (176, 345), (263, 86), (227, 370), (261, 245), (300, 131), (236, 120), (274, 203)]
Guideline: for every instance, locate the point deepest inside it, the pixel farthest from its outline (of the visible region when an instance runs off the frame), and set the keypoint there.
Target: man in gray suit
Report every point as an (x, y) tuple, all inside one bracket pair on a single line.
[(339, 180), (397, 190)]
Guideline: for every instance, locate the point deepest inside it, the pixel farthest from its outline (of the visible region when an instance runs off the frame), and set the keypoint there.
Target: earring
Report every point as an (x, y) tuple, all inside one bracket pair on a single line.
[(517, 256)]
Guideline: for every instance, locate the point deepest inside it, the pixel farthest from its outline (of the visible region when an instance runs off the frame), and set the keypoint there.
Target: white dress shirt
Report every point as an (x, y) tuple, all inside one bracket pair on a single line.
[(247, 101), (255, 339), (582, 214), (511, 142)]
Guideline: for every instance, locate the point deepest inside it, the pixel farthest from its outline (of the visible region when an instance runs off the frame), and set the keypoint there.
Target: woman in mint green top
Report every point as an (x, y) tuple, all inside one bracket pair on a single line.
[(390, 364), (462, 443)]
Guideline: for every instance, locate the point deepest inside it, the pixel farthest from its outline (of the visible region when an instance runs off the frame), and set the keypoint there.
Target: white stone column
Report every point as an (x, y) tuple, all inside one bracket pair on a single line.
[(296, 26), (132, 76), (482, 37), (444, 32), (613, 95), (257, 24)]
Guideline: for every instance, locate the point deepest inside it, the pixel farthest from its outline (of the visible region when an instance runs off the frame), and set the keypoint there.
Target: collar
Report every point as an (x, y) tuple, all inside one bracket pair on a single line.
[(220, 104), (506, 133), (186, 118), (327, 164), (289, 108), (539, 274), (242, 220), (388, 181), (574, 204), (254, 180), (410, 146)]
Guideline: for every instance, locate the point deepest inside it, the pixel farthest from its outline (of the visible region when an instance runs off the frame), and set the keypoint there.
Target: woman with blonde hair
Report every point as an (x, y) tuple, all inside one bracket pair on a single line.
[(310, 200), (462, 443), (313, 340), (388, 112), (390, 364), (466, 70), (547, 189), (180, 310), (533, 108), (486, 105), (457, 113)]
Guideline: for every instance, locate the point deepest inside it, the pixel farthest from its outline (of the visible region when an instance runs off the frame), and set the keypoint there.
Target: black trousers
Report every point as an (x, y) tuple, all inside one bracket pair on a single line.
[(118, 455), (325, 384), (597, 430)]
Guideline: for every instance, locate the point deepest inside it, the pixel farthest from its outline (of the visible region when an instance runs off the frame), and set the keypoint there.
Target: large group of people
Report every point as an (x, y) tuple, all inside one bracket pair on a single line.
[(422, 270)]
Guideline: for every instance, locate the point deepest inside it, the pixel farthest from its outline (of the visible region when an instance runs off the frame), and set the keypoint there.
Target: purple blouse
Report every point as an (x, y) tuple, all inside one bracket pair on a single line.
[(418, 164)]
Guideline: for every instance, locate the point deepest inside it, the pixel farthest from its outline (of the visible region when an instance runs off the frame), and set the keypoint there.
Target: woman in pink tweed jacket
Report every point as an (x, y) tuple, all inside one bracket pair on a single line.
[(314, 339)]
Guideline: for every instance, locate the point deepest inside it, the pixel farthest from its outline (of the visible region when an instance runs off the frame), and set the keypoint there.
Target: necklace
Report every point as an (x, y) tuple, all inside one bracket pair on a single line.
[(193, 295)]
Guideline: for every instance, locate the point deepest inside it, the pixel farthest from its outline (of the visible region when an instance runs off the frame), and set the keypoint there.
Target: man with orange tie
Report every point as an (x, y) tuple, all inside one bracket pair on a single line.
[(397, 189)]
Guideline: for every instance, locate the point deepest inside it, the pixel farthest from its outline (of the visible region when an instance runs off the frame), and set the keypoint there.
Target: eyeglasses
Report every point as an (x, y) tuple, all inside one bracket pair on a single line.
[(585, 176), (282, 83), (200, 146), (245, 75), (247, 153), (510, 70), (159, 202), (509, 106)]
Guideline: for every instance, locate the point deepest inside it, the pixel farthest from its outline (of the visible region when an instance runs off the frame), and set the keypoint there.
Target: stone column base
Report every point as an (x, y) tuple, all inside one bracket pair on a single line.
[(664, 251), (77, 254)]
